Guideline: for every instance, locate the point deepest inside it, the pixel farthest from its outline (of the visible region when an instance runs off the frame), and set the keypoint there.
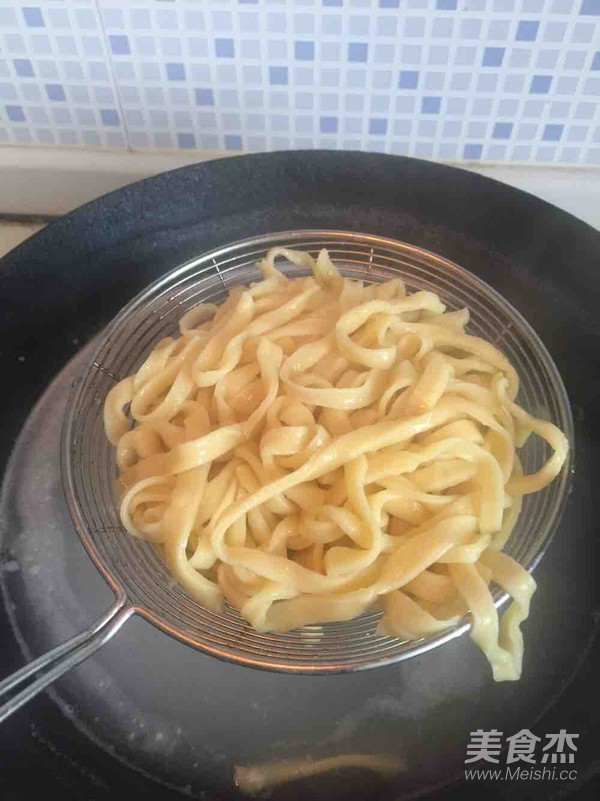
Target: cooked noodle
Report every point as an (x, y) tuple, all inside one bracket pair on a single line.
[(254, 779), (317, 445)]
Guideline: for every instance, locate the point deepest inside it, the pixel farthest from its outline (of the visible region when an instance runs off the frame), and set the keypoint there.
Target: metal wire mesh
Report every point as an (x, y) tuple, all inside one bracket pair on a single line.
[(135, 569)]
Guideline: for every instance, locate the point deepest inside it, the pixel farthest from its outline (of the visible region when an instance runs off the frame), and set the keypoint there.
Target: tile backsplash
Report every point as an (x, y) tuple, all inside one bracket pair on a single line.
[(500, 80)]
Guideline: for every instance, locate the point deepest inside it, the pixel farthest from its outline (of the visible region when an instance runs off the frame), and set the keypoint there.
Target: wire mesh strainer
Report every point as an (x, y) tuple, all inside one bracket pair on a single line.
[(135, 571)]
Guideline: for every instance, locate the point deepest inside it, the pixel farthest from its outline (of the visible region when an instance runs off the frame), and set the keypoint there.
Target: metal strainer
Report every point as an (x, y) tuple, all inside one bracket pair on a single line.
[(135, 571)]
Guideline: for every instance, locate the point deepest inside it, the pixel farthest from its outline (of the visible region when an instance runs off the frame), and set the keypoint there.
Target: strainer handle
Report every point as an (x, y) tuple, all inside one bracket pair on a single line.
[(48, 667)]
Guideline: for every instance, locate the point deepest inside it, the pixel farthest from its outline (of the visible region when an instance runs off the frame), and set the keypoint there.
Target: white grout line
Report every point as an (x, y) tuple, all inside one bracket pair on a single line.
[(111, 70)]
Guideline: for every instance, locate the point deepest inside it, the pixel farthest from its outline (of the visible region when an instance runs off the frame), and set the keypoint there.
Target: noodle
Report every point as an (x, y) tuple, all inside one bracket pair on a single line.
[(315, 445), (255, 778)]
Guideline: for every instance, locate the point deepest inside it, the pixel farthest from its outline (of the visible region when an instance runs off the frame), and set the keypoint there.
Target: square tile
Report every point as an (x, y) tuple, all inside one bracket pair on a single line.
[(328, 125), (502, 130), (408, 79), (493, 56), (278, 76), (552, 132), (304, 50), (472, 152), (540, 84), (358, 51), (431, 105), (527, 30), (378, 126)]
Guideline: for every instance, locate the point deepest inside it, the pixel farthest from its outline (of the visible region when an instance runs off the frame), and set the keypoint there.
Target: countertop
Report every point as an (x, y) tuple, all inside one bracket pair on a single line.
[(47, 182)]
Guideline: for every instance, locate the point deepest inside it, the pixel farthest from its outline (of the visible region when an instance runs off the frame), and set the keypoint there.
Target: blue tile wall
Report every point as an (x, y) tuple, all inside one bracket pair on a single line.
[(507, 80)]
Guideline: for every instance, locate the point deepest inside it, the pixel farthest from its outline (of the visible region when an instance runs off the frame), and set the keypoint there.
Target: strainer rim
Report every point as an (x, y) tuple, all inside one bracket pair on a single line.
[(289, 238)]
